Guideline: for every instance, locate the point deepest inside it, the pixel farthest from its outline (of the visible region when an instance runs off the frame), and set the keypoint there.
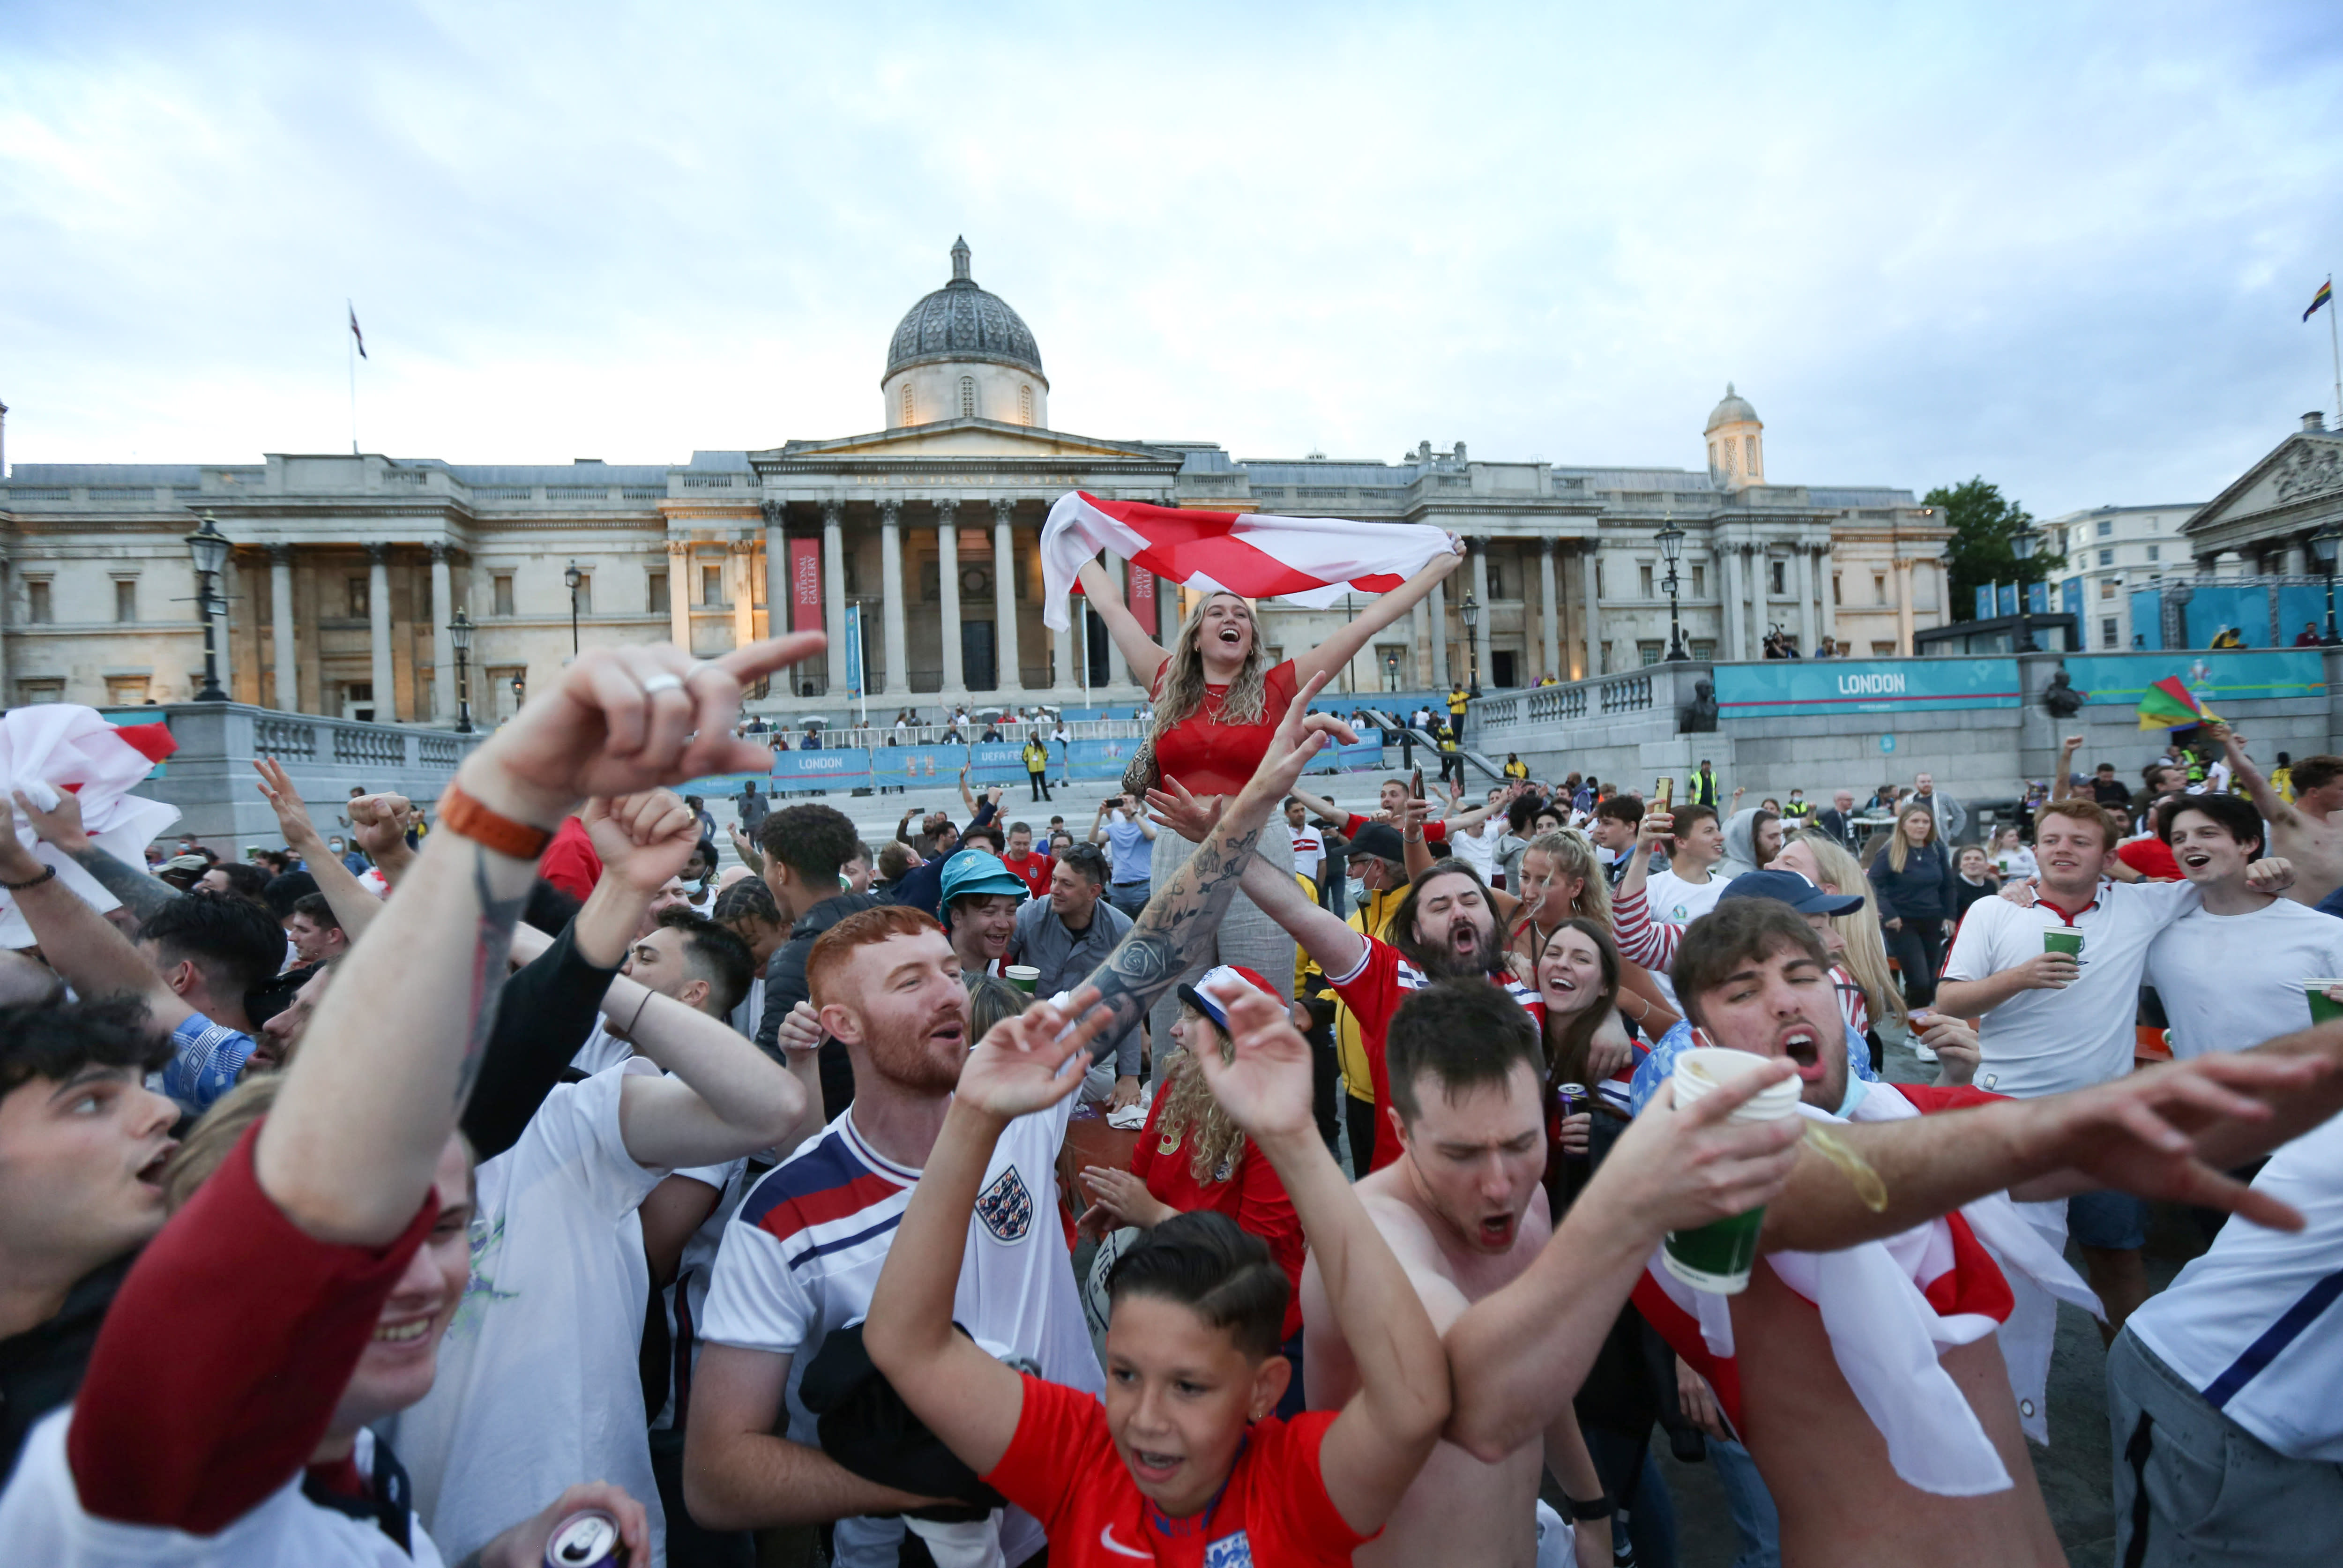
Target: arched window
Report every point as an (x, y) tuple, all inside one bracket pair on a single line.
[(1749, 454), (1025, 405), (1712, 457), (907, 403), (968, 397)]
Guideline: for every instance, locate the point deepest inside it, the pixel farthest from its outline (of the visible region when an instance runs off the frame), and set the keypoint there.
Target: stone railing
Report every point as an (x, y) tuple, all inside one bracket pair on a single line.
[(1609, 695)]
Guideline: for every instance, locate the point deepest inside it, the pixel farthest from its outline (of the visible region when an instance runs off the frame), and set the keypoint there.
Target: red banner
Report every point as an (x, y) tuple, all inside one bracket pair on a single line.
[(805, 585), (1141, 598)]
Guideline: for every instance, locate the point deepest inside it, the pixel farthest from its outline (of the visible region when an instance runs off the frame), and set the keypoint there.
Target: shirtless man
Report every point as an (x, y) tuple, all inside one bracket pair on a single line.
[(2306, 830), (1464, 1211)]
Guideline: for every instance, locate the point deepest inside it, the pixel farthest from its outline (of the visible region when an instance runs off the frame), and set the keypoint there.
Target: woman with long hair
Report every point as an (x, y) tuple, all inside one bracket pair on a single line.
[(1912, 883), (1587, 1043), (1562, 881), (1218, 700), (1867, 996), (1192, 1155)]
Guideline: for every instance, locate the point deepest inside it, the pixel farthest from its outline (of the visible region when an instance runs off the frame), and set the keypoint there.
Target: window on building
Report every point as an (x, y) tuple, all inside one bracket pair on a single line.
[(907, 404), (1703, 648), (712, 586), (2107, 530), (2155, 552), (1394, 665), (1649, 652), (40, 691), (968, 397), (2106, 557), (36, 608), (501, 591), (1025, 405), (125, 599), (1836, 597), (1600, 592), (2107, 631), (1879, 588), (1749, 455), (1781, 577), (1712, 458), (360, 596), (585, 593), (1883, 649), (1496, 579), (125, 690), (1643, 580), (1699, 581), (655, 602)]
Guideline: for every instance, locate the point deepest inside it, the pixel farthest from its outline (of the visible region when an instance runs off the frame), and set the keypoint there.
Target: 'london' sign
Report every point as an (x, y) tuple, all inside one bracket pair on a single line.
[(1775, 688)]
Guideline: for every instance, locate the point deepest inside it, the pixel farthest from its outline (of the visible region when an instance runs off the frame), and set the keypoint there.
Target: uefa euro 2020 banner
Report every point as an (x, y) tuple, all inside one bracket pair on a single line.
[(1787, 688), (2212, 677)]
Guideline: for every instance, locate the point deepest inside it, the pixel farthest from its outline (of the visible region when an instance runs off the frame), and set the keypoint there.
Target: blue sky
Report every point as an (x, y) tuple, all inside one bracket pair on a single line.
[(2065, 247)]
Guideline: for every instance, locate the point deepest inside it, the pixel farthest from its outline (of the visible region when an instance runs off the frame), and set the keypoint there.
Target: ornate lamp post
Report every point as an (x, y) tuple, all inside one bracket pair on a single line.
[(573, 577), (1472, 614), (1671, 538), (208, 548), (1391, 666), (2021, 546), (2323, 545), (459, 637), (520, 690)]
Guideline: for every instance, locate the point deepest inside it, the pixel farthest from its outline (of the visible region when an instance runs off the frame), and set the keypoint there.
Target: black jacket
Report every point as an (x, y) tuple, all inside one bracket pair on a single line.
[(1840, 825), (1923, 889), (785, 987), (41, 1368)]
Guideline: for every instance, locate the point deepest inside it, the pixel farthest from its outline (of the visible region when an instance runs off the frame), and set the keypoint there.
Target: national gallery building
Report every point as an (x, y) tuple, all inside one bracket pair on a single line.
[(344, 573)]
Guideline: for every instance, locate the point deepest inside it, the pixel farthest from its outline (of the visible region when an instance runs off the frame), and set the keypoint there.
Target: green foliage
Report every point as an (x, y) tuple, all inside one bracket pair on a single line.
[(1983, 521)]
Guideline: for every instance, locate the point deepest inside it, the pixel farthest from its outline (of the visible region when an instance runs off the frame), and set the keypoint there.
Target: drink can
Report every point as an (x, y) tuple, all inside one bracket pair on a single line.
[(587, 1539), (1572, 1097)]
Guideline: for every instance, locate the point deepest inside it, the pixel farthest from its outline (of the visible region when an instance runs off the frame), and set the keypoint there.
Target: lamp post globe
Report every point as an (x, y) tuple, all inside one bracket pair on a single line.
[(459, 637), (207, 549), (1671, 541), (1471, 610), (1391, 669), (571, 576)]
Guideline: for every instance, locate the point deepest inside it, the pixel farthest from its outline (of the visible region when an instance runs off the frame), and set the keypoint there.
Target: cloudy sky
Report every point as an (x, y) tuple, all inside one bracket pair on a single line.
[(2063, 246)]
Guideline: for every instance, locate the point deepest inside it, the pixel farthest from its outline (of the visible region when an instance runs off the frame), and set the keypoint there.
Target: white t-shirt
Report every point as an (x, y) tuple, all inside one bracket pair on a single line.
[(803, 1254), (1478, 850), (1309, 850), (750, 1013), (538, 1386), (1672, 900), (2229, 981), (603, 1050), (686, 1301), (2048, 1041), (2253, 1324)]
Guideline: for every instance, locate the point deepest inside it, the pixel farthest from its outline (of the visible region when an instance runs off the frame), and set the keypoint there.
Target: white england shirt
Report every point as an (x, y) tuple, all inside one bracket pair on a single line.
[(2230, 981)]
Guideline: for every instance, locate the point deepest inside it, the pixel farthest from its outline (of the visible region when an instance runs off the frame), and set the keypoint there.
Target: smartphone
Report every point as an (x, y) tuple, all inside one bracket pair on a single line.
[(1415, 784), (1664, 791)]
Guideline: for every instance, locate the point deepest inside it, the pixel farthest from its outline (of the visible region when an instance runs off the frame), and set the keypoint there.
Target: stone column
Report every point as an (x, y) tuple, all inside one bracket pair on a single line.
[(891, 586), (777, 571), (678, 593), (1068, 677), (1417, 671), (1549, 615), (948, 593), (286, 694), (833, 591), (1904, 604), (1479, 634), (385, 688), (1438, 613), (1804, 560), (1736, 602), (1004, 596), (443, 647), (1594, 616), (1827, 591), (1118, 574), (740, 569)]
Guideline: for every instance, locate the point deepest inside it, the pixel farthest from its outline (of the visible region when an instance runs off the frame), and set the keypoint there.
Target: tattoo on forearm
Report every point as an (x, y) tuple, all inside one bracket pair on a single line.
[(491, 965), (1175, 929), (141, 894)]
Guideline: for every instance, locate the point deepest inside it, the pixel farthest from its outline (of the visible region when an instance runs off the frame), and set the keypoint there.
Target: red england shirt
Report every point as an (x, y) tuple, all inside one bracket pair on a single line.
[(1033, 871), (1245, 1188), (1062, 1467), (1433, 832), (1373, 991)]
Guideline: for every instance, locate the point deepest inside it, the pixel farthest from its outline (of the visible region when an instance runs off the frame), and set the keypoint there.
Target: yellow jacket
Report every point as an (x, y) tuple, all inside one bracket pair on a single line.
[(1373, 917)]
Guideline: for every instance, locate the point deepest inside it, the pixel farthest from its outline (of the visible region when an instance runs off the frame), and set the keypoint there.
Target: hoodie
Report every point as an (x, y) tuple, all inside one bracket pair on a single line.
[(1740, 844)]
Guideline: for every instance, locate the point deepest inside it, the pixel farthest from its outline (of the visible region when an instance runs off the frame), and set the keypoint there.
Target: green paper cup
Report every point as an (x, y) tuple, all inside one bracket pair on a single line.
[(2063, 940), (1717, 1257), (2322, 1010), (1024, 977)]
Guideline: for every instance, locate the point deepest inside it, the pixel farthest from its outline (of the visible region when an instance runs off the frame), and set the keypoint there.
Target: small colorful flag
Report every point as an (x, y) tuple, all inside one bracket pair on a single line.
[(2326, 295), (354, 330), (2168, 705)]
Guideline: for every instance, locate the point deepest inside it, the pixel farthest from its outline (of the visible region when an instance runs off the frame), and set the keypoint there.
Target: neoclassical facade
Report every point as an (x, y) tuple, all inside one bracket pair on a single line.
[(346, 569)]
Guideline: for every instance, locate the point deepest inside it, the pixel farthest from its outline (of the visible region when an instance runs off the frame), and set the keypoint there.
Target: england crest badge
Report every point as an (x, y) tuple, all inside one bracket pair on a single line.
[(1006, 1206)]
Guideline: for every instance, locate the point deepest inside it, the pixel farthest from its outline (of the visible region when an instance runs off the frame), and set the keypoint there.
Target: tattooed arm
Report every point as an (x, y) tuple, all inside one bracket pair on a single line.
[(60, 828), (369, 1102), (1176, 928)]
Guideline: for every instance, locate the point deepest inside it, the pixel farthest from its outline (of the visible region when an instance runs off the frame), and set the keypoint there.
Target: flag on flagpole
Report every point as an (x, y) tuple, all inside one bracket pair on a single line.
[(1308, 561), (2168, 705), (2326, 295), (353, 329)]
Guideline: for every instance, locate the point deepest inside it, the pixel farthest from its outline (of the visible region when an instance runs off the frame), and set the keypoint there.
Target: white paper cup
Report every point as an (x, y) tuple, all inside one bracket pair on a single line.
[(1717, 1257), (1024, 977)]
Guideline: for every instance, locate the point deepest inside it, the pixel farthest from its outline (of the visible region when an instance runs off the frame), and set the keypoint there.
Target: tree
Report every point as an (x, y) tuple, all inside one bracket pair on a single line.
[(1984, 523)]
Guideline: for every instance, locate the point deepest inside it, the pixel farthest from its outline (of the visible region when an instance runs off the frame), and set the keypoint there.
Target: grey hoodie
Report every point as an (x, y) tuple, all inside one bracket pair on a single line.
[(1740, 844)]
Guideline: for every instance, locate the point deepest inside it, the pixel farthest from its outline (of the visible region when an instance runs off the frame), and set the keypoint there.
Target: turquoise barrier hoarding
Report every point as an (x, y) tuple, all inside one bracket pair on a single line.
[(908, 765), (846, 768), (1002, 761), (1786, 688), (2250, 676)]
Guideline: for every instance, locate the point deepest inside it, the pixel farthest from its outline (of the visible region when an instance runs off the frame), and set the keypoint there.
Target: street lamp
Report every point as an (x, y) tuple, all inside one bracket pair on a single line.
[(2323, 545), (573, 577), (2021, 546), (208, 548), (459, 637), (1391, 668), (1671, 538), (1470, 611)]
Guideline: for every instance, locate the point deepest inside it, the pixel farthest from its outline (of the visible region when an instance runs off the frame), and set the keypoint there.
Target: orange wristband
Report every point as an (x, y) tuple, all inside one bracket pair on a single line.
[(462, 815)]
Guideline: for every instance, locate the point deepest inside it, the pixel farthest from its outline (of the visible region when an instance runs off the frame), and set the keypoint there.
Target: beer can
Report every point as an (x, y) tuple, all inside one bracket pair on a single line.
[(1572, 1097), (587, 1539)]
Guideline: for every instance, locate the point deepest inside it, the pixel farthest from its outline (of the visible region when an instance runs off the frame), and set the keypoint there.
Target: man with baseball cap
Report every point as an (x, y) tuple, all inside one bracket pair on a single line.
[(980, 897)]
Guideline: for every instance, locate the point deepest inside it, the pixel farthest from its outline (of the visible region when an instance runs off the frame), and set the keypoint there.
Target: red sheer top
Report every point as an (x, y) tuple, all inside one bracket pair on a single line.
[(1210, 758)]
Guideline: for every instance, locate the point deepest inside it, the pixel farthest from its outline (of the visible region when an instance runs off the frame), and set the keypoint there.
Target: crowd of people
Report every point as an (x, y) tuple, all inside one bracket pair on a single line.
[(404, 1201)]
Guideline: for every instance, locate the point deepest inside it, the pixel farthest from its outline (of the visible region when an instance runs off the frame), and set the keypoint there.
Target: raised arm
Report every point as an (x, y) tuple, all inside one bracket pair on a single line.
[(60, 828), (1329, 656), (966, 799), (2060, 787), (1141, 654), (379, 823), (82, 945), (2266, 799), (1642, 940), (1330, 944), (353, 908)]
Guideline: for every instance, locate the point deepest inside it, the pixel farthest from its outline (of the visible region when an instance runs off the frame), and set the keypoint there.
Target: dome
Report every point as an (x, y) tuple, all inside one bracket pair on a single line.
[(961, 321), (1734, 410)]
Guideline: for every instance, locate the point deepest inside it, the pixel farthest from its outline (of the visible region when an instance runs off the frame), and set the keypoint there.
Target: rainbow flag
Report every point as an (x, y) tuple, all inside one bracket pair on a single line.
[(2168, 705), (2326, 295)]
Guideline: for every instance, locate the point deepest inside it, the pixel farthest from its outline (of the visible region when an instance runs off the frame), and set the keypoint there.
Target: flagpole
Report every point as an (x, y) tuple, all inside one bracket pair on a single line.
[(351, 352)]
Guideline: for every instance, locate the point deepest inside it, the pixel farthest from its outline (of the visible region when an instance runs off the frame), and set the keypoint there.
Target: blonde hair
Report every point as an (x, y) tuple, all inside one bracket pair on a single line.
[(1246, 701), (1867, 948), (1573, 853), (1899, 843), (1204, 1130), (209, 1142)]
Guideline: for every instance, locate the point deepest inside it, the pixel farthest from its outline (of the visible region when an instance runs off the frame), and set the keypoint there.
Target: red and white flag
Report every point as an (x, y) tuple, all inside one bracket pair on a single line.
[(1308, 561)]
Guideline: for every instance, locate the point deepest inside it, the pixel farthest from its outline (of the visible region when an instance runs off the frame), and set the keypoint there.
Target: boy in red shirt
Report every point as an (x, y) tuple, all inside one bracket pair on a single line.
[(1183, 1463)]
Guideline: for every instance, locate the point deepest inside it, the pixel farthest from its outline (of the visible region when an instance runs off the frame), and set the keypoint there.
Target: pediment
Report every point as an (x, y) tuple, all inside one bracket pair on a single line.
[(985, 439), (2304, 467)]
